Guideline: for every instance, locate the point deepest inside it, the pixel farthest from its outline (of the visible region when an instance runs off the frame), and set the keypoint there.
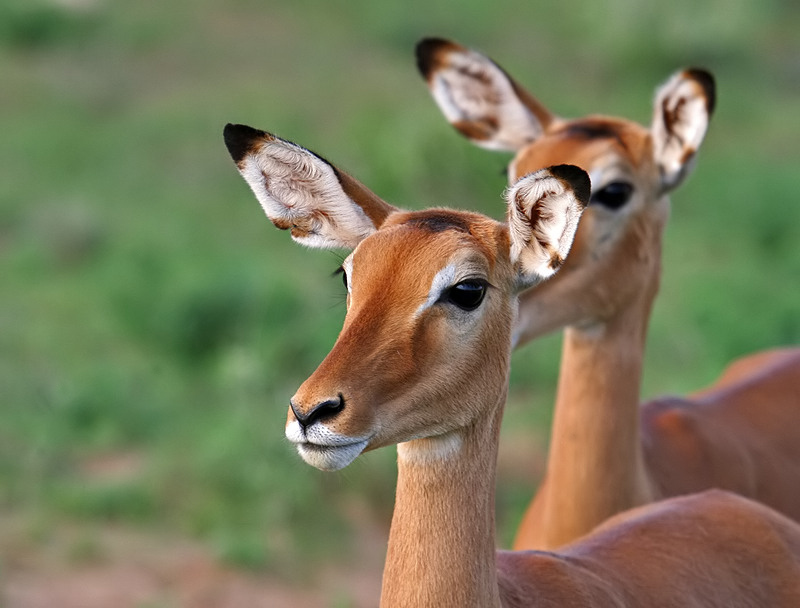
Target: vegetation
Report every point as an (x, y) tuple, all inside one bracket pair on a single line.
[(151, 315)]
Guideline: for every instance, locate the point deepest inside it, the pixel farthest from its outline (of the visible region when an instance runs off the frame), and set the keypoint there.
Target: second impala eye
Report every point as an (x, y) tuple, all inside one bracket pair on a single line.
[(467, 295), (613, 196)]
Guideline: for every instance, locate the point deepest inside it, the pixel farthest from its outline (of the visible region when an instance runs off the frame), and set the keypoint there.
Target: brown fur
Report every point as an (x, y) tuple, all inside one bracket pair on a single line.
[(476, 130), (371, 204)]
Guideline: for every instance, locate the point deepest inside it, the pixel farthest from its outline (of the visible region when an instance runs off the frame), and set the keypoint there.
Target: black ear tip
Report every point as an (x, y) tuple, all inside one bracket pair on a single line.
[(706, 80), (426, 52), (577, 179), (241, 139)]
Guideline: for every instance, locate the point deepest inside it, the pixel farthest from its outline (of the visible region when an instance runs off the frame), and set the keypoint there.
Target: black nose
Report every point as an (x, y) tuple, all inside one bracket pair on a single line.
[(321, 411)]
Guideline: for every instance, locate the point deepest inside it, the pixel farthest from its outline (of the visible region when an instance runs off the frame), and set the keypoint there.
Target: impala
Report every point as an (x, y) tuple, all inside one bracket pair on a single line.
[(607, 453), (422, 361)]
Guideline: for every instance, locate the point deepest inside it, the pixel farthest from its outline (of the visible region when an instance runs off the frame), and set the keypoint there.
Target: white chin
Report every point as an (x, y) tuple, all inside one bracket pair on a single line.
[(330, 457)]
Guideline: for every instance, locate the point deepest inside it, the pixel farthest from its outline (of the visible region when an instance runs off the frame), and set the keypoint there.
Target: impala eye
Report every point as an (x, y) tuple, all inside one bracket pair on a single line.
[(613, 195), (467, 295)]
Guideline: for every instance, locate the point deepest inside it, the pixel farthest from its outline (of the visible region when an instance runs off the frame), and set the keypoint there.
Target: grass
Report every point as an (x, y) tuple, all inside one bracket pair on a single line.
[(148, 307)]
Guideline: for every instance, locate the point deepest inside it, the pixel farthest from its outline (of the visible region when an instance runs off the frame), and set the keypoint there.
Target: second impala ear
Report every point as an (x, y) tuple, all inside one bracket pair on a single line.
[(683, 109), (479, 98), (304, 193), (543, 212)]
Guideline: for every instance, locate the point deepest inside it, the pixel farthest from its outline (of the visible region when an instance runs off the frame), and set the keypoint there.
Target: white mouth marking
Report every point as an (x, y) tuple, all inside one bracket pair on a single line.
[(323, 448), (330, 458)]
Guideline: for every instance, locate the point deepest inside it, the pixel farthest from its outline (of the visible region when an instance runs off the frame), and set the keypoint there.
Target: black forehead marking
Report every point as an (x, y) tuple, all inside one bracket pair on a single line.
[(438, 221), (592, 129)]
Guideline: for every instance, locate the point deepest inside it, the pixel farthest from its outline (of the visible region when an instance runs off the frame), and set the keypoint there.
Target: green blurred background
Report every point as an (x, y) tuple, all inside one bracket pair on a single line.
[(153, 324)]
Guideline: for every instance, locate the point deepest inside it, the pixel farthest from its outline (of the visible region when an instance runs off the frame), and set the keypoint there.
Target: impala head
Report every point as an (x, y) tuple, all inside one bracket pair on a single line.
[(431, 296), (615, 259)]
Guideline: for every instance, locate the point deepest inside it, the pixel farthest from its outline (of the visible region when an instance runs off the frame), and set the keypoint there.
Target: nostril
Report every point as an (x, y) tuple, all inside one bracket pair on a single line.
[(321, 411)]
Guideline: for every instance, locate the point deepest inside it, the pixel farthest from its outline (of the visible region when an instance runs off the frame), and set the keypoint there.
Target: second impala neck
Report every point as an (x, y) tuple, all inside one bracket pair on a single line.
[(442, 540), (595, 465)]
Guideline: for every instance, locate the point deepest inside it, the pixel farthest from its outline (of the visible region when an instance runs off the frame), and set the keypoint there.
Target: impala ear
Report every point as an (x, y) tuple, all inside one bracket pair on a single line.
[(304, 193), (543, 212), (683, 108), (479, 98)]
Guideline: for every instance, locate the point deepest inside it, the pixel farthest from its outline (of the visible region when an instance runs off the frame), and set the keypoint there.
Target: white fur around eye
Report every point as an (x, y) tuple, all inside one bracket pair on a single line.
[(443, 279), (347, 265)]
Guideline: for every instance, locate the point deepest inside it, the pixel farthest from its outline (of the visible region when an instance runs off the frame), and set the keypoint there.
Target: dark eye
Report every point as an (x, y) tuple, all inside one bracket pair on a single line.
[(613, 195), (467, 295)]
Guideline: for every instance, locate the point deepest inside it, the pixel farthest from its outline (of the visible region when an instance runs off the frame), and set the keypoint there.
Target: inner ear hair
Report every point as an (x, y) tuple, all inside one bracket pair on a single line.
[(683, 108), (543, 212), (302, 192)]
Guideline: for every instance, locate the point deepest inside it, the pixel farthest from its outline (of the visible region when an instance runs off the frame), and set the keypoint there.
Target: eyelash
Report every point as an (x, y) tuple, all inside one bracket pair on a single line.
[(341, 271)]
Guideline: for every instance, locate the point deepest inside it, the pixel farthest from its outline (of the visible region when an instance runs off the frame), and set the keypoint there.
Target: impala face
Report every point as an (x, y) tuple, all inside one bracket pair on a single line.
[(616, 257), (615, 261), (427, 301), (431, 296)]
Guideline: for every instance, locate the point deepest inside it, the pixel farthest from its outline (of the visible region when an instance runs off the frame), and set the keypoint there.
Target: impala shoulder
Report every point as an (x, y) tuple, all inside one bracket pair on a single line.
[(564, 580), (668, 418), (674, 443)]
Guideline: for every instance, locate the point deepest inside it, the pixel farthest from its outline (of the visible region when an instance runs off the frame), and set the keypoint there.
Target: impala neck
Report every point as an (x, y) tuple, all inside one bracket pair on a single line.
[(442, 540), (596, 466)]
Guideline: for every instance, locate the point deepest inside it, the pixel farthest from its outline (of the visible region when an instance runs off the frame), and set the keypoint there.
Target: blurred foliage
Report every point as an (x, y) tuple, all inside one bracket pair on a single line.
[(149, 308), (39, 25)]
